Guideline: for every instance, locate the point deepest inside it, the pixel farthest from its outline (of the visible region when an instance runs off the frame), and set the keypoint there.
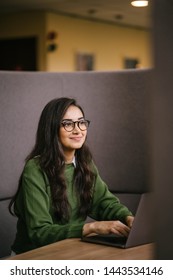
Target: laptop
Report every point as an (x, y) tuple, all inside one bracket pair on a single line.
[(140, 233)]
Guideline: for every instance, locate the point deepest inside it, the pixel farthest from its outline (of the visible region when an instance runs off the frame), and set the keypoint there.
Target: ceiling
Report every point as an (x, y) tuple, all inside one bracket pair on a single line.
[(110, 11)]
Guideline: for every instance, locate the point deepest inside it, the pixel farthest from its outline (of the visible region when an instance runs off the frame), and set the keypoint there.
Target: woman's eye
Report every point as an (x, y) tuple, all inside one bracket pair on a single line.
[(68, 124)]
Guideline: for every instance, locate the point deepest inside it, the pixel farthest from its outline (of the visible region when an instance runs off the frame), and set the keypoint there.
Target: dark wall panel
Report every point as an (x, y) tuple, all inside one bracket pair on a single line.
[(162, 120)]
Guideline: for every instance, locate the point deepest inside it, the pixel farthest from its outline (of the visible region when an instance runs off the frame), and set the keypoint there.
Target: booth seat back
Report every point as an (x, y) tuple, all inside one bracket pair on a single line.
[(7, 230), (116, 103)]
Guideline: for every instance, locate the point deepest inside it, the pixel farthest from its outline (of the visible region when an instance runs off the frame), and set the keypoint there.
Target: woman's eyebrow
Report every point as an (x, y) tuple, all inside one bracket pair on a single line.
[(81, 118)]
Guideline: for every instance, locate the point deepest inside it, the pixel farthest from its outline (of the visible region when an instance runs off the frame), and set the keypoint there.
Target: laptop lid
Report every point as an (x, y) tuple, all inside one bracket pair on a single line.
[(140, 233), (142, 229)]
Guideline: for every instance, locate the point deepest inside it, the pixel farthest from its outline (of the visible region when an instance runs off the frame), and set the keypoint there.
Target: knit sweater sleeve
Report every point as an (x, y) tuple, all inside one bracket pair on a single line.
[(36, 210), (105, 205)]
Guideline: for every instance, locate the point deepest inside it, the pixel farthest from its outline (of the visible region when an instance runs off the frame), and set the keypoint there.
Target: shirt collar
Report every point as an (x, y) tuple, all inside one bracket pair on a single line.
[(74, 161)]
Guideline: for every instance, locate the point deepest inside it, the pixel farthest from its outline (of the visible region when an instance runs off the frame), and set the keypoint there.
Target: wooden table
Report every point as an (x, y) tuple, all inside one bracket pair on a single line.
[(75, 249)]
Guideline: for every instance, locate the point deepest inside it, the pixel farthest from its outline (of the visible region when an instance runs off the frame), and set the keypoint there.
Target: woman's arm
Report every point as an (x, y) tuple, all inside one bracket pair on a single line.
[(34, 208), (105, 205), (106, 227)]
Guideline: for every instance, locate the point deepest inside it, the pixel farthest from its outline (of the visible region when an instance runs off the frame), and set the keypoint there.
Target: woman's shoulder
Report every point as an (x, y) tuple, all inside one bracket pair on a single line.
[(32, 164), (32, 169), (94, 167)]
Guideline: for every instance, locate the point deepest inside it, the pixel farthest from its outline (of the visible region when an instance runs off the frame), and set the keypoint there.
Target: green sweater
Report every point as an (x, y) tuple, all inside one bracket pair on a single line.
[(37, 225)]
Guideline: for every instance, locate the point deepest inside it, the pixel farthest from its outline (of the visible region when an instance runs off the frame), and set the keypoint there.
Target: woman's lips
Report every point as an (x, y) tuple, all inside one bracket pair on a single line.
[(76, 138)]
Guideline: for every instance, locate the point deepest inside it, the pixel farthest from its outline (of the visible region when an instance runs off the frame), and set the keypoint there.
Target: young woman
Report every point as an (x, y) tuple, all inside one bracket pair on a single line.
[(60, 185)]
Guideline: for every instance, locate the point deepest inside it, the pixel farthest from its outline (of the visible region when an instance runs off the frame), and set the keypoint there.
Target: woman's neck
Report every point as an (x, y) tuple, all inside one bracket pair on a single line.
[(69, 157)]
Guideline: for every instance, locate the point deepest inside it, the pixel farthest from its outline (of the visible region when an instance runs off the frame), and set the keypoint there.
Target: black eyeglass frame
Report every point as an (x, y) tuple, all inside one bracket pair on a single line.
[(64, 122)]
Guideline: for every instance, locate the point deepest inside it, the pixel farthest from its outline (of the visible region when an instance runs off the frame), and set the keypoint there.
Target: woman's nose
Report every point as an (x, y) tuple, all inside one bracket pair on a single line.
[(76, 128)]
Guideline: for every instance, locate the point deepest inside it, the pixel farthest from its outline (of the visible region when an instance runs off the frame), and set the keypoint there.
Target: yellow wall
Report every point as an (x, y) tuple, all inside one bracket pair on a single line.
[(109, 44)]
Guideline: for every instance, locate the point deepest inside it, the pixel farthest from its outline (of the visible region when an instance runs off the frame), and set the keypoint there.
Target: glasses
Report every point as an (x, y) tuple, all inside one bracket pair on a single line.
[(70, 125)]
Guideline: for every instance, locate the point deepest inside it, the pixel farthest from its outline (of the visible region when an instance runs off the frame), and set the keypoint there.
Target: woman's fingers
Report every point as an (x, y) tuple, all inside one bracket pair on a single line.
[(120, 228), (106, 227)]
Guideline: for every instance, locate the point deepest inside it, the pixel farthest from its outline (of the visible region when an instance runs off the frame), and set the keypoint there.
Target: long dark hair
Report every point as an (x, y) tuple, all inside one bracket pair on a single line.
[(52, 161)]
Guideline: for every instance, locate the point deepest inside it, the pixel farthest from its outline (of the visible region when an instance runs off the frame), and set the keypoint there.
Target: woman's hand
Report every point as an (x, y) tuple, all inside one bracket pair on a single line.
[(129, 221), (106, 227)]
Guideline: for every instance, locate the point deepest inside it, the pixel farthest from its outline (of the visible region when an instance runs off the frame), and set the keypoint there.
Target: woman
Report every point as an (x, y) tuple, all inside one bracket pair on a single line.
[(60, 185)]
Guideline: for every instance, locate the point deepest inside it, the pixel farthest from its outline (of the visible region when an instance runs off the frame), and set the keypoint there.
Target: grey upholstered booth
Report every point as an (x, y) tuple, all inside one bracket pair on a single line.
[(116, 103)]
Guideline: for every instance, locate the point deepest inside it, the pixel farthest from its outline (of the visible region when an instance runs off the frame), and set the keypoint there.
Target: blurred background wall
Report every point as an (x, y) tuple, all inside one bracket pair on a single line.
[(63, 43)]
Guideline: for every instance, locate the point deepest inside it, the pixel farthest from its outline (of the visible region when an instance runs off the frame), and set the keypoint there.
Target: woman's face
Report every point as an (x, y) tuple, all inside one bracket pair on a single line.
[(74, 139)]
